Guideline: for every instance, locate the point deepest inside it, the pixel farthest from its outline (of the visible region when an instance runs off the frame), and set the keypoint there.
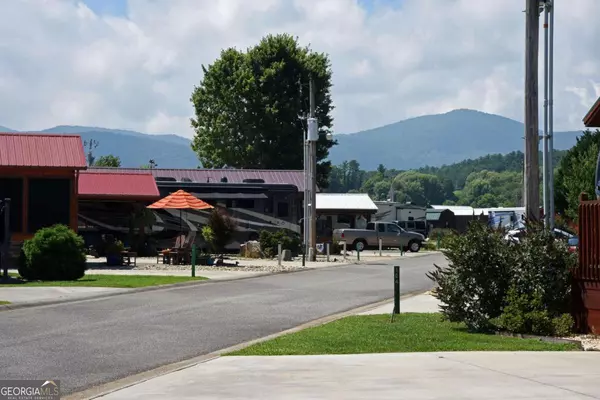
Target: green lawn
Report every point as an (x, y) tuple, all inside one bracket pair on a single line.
[(376, 334), (115, 281), (3, 302)]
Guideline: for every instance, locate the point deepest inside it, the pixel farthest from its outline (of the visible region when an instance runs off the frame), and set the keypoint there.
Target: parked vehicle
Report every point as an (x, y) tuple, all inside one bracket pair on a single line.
[(414, 226), (573, 243), (391, 235), (515, 234)]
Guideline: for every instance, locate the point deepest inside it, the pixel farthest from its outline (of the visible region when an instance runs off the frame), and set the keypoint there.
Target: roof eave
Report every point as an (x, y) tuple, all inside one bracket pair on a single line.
[(118, 197), (592, 118)]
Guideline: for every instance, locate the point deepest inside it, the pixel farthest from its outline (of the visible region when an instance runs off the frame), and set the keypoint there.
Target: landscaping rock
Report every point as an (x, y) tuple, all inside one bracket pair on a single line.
[(286, 255), (250, 249)]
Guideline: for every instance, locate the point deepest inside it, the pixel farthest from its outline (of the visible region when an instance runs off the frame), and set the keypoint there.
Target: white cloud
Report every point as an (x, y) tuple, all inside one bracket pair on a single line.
[(60, 63)]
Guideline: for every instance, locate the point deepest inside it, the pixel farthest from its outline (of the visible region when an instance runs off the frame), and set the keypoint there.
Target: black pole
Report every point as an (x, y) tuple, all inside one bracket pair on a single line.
[(396, 289)]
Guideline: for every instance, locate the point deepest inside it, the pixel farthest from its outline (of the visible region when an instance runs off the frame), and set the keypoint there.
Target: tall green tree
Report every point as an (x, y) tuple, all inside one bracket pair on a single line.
[(485, 189), (576, 173), (251, 107), (419, 188), (108, 161)]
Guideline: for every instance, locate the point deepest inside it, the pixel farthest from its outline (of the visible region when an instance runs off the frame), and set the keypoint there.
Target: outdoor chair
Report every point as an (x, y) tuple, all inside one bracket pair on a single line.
[(184, 253), (168, 254)]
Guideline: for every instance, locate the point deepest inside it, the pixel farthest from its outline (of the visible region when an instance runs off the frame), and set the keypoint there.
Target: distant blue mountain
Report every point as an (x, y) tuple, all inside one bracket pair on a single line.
[(5, 129), (431, 140), (436, 140)]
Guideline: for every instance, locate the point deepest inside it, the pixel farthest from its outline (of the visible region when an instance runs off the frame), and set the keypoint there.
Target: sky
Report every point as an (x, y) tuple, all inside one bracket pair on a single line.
[(132, 64)]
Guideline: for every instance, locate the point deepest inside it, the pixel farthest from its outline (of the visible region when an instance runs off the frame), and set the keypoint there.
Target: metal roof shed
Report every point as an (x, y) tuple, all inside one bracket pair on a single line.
[(38, 173), (347, 202)]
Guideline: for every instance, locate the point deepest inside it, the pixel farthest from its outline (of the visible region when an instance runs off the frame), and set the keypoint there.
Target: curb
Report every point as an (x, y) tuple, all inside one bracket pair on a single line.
[(16, 306), (120, 384)]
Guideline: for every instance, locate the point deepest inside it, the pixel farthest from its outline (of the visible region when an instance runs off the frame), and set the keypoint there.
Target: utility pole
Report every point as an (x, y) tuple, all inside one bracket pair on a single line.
[(545, 155), (313, 136), (532, 177)]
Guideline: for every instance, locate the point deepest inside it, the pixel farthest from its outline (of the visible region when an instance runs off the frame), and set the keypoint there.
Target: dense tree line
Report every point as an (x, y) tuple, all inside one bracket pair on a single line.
[(494, 180)]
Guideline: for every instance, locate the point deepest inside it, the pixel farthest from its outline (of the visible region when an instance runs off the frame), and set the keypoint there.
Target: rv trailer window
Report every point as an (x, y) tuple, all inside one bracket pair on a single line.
[(244, 203), (283, 209)]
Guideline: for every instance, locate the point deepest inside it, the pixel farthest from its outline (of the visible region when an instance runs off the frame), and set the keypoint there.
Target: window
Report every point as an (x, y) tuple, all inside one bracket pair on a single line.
[(410, 225), (49, 203), (381, 228), (244, 203), (370, 226), (283, 209), (393, 228), (12, 188)]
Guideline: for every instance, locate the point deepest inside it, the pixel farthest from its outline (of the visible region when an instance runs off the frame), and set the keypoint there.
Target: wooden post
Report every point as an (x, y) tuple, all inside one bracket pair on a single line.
[(532, 135)]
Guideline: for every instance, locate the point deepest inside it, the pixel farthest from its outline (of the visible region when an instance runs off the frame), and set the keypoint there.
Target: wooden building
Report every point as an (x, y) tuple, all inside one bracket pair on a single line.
[(586, 283), (39, 173)]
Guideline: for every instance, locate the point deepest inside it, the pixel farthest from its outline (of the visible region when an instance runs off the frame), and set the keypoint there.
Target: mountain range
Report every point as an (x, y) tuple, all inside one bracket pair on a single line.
[(431, 140)]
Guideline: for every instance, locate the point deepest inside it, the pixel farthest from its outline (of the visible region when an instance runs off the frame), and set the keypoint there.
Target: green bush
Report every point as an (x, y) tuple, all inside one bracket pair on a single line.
[(441, 234), (270, 240), (491, 283), (208, 235), (563, 325), (54, 253), (538, 300), (473, 286)]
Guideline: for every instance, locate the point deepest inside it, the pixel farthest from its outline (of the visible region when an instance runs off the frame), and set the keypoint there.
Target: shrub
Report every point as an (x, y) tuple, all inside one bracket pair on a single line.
[(539, 297), (223, 227), (473, 286), (208, 235), (443, 234), (563, 324), (54, 253), (520, 287), (270, 240)]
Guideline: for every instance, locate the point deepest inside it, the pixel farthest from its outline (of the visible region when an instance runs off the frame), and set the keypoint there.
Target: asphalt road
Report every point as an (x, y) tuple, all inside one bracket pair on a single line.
[(87, 343)]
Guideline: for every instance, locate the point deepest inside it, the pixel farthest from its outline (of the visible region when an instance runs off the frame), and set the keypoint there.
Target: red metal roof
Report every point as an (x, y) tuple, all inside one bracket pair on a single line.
[(592, 118), (38, 150), (290, 177), (115, 185)]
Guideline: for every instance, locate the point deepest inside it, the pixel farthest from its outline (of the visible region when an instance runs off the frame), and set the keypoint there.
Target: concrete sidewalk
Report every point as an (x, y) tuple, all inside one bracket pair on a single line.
[(422, 303), (22, 295), (415, 376)]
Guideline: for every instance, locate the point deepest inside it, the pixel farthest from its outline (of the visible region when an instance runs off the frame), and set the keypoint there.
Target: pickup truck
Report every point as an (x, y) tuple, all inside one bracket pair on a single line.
[(391, 236)]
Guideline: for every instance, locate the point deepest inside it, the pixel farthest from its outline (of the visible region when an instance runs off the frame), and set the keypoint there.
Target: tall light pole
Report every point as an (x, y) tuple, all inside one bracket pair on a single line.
[(312, 138), (545, 155), (551, 211), (548, 135)]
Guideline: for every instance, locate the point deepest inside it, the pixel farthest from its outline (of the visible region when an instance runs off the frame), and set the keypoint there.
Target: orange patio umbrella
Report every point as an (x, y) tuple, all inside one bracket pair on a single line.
[(180, 200)]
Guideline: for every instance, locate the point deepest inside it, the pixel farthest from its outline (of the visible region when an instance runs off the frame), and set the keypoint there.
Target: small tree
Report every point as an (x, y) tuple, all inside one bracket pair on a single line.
[(222, 228), (108, 161)]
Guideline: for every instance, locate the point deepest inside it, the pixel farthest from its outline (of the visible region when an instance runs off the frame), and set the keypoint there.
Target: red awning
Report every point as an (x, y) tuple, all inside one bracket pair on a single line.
[(36, 150), (117, 185)]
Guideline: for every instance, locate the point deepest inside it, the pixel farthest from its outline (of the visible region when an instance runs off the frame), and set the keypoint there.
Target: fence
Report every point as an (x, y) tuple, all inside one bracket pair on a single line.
[(586, 282)]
